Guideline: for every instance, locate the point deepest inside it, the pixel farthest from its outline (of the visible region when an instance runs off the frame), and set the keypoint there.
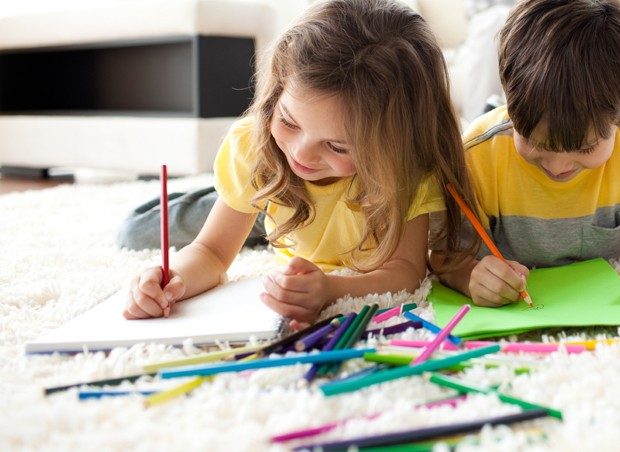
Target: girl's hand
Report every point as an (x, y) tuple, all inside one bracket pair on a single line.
[(146, 298), (299, 292), (494, 282)]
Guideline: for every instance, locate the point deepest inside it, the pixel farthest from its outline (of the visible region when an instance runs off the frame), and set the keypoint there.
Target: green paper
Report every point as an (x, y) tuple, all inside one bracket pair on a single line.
[(581, 294)]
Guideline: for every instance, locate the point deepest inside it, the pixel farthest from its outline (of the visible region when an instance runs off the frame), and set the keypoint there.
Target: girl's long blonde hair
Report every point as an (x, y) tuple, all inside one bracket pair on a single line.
[(384, 63)]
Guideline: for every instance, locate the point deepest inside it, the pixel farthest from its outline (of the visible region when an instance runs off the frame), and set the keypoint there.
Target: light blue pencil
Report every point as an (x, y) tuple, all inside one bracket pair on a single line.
[(237, 366)]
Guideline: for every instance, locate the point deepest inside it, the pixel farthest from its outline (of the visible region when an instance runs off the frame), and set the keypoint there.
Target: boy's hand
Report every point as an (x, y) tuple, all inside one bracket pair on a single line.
[(494, 282), (298, 292), (146, 299)]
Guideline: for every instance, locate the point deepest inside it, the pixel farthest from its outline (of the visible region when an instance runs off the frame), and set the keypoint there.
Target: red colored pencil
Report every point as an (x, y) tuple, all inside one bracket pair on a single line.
[(164, 226), (483, 235)]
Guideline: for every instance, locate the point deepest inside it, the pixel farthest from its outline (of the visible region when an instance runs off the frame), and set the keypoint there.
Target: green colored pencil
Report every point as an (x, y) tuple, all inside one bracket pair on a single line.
[(462, 387), (365, 316), (405, 371)]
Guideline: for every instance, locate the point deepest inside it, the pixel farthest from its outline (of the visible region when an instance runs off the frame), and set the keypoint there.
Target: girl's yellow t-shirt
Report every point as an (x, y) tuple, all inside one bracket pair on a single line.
[(336, 230)]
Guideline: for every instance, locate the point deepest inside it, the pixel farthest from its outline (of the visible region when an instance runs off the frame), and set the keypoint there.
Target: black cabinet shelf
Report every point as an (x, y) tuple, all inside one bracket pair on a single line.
[(176, 76)]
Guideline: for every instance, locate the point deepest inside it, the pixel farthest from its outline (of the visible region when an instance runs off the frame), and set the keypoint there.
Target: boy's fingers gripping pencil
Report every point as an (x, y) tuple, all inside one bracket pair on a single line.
[(483, 235), (163, 228)]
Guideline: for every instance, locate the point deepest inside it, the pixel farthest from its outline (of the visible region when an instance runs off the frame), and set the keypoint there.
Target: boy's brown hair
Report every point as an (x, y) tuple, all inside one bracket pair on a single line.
[(559, 63)]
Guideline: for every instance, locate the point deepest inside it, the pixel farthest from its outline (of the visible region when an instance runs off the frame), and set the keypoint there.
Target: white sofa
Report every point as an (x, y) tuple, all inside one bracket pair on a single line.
[(140, 143)]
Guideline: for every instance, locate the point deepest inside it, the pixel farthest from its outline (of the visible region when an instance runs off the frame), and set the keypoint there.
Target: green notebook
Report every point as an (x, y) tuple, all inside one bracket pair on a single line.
[(582, 294)]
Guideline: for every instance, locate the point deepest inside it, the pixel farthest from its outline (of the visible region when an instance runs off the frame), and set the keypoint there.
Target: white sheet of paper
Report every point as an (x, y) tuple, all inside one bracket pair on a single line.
[(230, 312)]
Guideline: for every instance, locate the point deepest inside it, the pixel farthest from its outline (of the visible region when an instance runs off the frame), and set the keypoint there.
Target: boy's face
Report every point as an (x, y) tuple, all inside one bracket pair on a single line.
[(564, 166)]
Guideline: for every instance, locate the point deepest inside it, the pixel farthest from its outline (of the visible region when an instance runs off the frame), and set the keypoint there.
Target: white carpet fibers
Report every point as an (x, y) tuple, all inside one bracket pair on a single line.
[(58, 259)]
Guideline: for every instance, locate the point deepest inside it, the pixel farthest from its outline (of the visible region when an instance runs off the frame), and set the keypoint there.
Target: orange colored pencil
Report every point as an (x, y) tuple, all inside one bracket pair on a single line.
[(483, 234)]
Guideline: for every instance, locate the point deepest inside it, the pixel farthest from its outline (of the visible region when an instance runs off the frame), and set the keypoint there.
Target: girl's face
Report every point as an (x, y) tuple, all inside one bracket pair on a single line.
[(308, 128), (564, 166)]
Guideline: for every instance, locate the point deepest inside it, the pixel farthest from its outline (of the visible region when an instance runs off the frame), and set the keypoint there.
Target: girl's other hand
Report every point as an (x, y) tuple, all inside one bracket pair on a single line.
[(494, 282), (298, 292), (146, 299)]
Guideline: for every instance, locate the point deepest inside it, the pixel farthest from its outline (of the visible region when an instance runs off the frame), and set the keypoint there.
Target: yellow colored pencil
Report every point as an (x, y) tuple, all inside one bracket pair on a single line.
[(165, 396), (591, 344), (209, 357)]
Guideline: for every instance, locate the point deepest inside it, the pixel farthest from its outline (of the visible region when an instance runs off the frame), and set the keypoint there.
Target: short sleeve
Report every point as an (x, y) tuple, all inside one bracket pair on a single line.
[(428, 199), (233, 167)]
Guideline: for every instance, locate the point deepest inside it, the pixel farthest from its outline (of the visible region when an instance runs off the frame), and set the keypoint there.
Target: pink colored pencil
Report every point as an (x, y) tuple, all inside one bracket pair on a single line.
[(508, 347), (396, 310), (417, 343), (441, 336), (516, 347), (308, 432)]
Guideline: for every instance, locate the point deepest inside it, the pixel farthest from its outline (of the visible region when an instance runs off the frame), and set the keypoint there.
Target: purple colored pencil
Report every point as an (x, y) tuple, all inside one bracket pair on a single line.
[(330, 345), (309, 341), (394, 329), (424, 433)]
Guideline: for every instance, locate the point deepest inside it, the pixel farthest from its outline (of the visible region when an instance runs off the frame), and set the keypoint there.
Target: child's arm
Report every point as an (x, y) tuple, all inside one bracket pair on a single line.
[(196, 268), (488, 282), (302, 290)]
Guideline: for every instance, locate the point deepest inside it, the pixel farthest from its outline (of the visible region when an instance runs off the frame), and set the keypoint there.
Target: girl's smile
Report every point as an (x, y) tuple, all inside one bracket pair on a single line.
[(309, 130)]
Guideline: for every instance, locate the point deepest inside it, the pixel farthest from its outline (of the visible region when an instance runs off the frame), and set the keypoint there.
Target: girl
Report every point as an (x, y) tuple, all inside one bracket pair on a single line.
[(345, 150)]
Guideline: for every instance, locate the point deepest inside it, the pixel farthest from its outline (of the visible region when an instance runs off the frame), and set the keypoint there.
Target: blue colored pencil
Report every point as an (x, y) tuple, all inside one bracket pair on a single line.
[(86, 394), (237, 366)]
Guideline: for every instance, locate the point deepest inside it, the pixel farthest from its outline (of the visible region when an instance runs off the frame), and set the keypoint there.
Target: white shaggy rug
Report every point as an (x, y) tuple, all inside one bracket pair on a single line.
[(58, 258)]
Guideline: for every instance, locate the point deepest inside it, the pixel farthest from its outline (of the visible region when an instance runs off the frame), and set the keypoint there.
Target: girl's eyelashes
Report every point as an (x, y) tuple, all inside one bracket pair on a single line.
[(336, 149), (287, 123)]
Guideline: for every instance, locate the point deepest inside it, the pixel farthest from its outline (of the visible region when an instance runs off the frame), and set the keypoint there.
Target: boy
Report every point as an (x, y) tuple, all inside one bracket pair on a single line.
[(546, 168)]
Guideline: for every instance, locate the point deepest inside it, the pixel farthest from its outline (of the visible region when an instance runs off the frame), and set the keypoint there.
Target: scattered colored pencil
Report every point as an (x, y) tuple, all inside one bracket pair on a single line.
[(165, 396), (91, 394), (329, 368), (464, 387), (392, 329), (103, 382), (237, 366), (309, 432), (483, 235), (507, 347), (357, 330), (591, 344), (290, 340), (422, 434), (311, 339), (431, 327), (206, 358), (442, 335), (330, 389), (314, 369), (386, 314)]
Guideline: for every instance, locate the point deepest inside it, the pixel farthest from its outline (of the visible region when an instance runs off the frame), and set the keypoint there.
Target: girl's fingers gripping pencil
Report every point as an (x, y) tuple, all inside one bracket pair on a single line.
[(483, 235)]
